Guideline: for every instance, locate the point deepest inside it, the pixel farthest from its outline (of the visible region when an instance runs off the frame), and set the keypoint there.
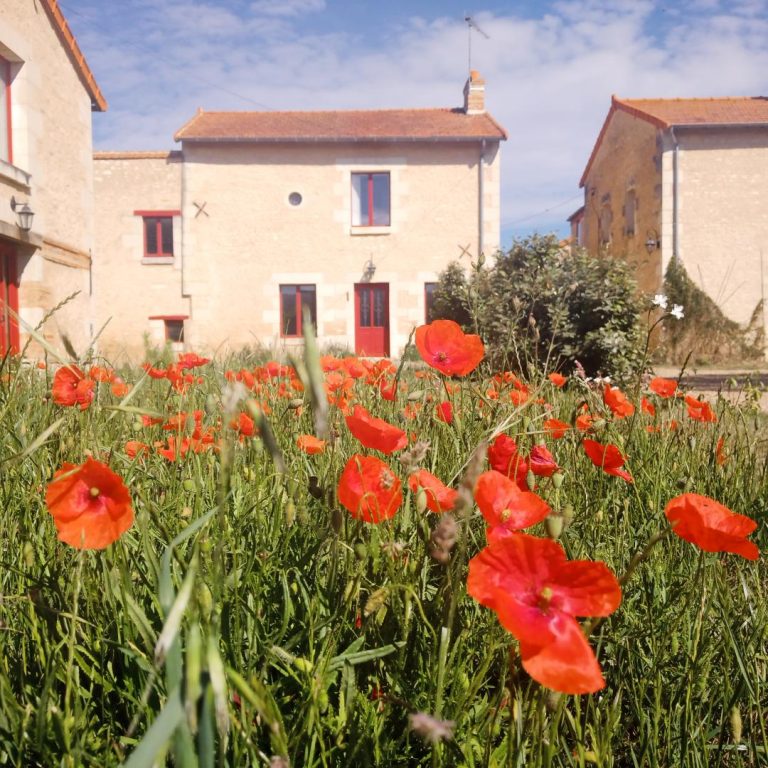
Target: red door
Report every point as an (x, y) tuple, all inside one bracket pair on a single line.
[(9, 299), (372, 319)]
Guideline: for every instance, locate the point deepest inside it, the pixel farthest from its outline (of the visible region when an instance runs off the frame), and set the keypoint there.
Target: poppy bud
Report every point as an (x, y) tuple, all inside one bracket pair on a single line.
[(554, 526), (557, 479), (567, 514), (29, 554), (675, 644), (336, 519), (530, 480), (377, 600), (598, 423), (296, 403), (137, 426), (290, 513), (414, 396), (204, 600), (421, 501), (361, 551), (736, 724), (552, 700), (189, 485)]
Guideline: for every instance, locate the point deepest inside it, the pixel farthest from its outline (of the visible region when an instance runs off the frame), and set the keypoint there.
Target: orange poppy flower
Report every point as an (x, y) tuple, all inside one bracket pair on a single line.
[(503, 456), (119, 387), (102, 375), (310, 444), (556, 428), (90, 504), (617, 401), (134, 448), (191, 360), (585, 421), (440, 498), (369, 489), (542, 462), (375, 433), (505, 507), (700, 410), (71, 387), (663, 387), (648, 407), (444, 346), (557, 379), (710, 525), (608, 457), (536, 593), (720, 455)]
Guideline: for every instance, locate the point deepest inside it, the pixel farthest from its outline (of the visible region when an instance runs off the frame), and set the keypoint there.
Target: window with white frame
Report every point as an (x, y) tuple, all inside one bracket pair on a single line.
[(371, 199)]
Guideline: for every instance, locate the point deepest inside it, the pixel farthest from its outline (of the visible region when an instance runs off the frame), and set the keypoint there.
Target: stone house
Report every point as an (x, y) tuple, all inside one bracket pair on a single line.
[(685, 178), (260, 215), (47, 95)]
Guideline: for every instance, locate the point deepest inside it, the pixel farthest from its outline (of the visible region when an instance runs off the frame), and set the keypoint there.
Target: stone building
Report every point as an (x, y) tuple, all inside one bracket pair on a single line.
[(685, 178), (47, 95), (260, 215)]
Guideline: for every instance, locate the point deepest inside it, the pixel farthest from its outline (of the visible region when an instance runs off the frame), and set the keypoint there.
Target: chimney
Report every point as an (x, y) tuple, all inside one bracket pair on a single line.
[(474, 94)]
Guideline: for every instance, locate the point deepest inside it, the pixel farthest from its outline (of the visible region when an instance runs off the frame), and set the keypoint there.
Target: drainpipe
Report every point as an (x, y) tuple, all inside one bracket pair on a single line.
[(675, 171), (184, 293), (480, 189)]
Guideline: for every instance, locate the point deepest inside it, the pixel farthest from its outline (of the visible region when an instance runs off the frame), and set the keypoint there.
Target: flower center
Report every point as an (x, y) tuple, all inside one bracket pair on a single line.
[(441, 357), (94, 491), (505, 514), (545, 597)]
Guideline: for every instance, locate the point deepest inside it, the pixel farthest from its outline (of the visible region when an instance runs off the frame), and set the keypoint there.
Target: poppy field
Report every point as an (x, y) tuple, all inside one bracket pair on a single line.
[(338, 561)]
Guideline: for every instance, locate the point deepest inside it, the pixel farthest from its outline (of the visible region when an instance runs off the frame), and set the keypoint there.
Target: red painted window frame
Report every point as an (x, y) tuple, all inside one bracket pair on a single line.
[(5, 73), (173, 319), (370, 175), (159, 231), (298, 308)]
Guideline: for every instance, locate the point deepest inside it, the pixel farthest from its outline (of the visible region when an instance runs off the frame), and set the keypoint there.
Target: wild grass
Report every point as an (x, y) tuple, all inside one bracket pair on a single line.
[(246, 619)]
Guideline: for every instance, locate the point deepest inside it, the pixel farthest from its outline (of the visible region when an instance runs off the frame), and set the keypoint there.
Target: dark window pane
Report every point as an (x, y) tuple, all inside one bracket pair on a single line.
[(150, 228), (174, 330), (381, 199), (365, 308), (288, 320), (308, 299), (166, 225), (379, 307)]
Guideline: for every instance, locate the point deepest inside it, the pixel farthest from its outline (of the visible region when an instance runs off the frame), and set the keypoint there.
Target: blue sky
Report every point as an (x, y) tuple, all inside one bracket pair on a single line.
[(550, 69)]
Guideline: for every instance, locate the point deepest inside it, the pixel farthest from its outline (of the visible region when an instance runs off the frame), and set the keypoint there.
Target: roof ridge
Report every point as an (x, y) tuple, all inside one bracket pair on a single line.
[(326, 111), (691, 98)]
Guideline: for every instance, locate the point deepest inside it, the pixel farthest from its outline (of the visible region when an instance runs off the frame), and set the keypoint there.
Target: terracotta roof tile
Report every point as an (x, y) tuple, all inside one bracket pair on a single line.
[(665, 113), (75, 54), (350, 125), (137, 155)]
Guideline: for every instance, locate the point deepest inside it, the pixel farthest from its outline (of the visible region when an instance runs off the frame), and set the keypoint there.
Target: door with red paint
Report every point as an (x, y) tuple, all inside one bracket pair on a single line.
[(9, 300), (372, 319)]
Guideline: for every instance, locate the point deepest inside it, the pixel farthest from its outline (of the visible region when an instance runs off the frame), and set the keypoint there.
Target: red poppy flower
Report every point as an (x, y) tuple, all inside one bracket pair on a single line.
[(505, 507), (711, 526), (310, 444), (387, 389), (537, 593), (191, 360), (663, 387), (617, 401), (375, 433), (557, 379), (700, 410), (444, 346), (648, 407), (542, 462), (444, 412), (90, 504), (369, 489), (119, 387), (71, 387), (134, 448), (720, 455), (556, 428), (102, 375), (504, 457), (440, 498), (608, 457), (242, 424)]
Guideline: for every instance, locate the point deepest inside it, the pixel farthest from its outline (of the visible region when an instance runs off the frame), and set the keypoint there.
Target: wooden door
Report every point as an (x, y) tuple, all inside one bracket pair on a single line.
[(9, 299), (372, 319)]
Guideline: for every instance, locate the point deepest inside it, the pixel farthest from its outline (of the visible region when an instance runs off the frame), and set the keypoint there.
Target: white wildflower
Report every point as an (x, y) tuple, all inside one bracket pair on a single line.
[(430, 728), (660, 300), (677, 311)]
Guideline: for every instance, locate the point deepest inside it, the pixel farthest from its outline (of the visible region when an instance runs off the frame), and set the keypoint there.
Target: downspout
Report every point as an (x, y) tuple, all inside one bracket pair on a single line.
[(184, 293), (480, 190), (675, 171)]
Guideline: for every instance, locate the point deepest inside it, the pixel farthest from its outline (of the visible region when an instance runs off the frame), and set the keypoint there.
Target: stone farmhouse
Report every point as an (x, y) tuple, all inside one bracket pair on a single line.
[(261, 215), (687, 179), (47, 95)]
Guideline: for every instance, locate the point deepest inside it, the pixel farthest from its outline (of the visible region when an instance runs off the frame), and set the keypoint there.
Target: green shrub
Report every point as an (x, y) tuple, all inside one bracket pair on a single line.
[(540, 304)]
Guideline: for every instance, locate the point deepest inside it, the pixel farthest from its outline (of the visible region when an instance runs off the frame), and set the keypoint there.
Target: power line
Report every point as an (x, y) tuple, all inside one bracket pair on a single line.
[(541, 213)]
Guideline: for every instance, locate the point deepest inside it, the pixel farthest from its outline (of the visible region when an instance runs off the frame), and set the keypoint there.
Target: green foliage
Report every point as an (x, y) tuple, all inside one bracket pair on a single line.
[(540, 303), (705, 332)]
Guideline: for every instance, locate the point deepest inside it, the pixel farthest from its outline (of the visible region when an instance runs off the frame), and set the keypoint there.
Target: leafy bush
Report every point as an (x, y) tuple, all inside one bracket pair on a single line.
[(540, 303)]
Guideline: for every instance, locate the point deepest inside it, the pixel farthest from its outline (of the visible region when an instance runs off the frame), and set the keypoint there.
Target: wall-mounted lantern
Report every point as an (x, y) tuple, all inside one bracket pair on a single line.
[(24, 214), (652, 241)]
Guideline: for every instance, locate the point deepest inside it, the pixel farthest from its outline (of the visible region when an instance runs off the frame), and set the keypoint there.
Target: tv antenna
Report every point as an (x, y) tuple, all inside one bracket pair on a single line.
[(472, 24)]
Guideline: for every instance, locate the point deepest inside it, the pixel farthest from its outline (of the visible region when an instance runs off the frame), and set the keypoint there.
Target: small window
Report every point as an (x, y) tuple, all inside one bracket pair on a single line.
[(630, 207), (6, 151), (606, 220), (370, 200), (158, 237), (429, 301), (174, 331), (293, 300)]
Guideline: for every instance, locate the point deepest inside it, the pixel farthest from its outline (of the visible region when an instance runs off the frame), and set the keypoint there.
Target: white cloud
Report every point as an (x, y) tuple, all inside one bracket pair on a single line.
[(287, 7)]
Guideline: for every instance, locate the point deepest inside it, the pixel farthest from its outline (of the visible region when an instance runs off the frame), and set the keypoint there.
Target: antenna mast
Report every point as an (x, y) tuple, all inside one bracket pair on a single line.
[(472, 24)]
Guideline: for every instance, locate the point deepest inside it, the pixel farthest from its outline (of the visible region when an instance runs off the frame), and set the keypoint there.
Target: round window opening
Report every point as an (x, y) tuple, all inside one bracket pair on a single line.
[(294, 198)]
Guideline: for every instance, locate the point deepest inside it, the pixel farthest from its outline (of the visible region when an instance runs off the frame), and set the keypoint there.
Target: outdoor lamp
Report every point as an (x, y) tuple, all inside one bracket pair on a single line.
[(652, 241), (23, 213), (370, 269)]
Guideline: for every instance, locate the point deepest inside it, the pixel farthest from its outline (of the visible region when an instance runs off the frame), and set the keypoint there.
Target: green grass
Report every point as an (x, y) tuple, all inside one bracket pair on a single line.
[(291, 629)]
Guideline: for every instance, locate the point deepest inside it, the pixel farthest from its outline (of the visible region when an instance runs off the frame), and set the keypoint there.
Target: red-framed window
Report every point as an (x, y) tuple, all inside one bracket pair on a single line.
[(174, 326), (370, 200), (6, 134), (429, 301), (158, 233), (293, 300)]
